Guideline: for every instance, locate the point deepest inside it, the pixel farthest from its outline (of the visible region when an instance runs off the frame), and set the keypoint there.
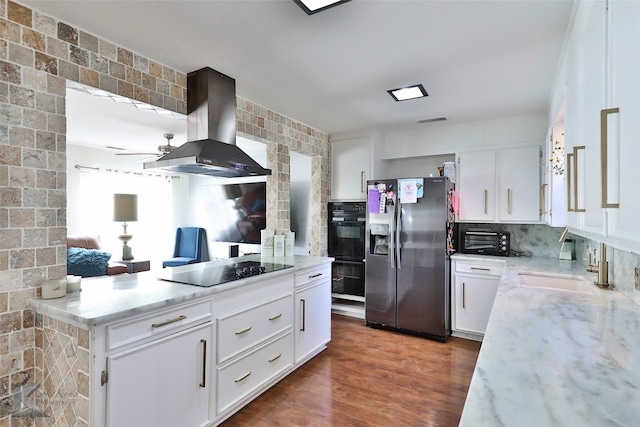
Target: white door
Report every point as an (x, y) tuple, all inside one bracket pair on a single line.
[(591, 95), (350, 168), (165, 383), (625, 91), (477, 185), (312, 326), (474, 298), (519, 184)]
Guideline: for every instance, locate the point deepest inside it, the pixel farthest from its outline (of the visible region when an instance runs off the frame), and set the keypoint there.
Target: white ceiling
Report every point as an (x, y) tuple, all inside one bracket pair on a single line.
[(478, 60)]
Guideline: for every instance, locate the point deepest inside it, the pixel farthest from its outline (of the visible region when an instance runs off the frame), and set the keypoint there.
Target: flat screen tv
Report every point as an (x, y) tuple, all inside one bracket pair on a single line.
[(237, 212)]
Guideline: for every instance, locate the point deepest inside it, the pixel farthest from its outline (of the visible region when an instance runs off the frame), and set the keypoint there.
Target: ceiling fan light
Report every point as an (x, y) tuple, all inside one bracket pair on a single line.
[(409, 92), (315, 6)]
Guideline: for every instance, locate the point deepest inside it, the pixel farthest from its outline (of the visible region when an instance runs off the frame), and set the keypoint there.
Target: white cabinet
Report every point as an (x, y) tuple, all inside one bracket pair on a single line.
[(475, 283), (622, 178), (506, 181), (312, 325), (350, 168), (591, 96), (477, 185), (254, 340), (166, 382), (253, 369), (519, 178), (602, 103), (196, 364), (158, 368)]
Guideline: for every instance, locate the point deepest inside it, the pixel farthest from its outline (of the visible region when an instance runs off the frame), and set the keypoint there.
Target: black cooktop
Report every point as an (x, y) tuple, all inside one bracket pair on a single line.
[(207, 275)]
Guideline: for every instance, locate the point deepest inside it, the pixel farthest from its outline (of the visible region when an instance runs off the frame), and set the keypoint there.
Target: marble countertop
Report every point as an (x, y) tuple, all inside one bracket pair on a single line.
[(108, 298), (556, 358)]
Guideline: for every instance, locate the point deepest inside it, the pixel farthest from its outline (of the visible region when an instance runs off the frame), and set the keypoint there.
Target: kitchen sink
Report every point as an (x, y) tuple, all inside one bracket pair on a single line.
[(554, 282)]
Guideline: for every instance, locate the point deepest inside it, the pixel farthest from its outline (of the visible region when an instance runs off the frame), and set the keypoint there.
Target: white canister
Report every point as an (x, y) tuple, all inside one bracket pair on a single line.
[(289, 243), (278, 245), (449, 170), (266, 242), (74, 283), (54, 288)]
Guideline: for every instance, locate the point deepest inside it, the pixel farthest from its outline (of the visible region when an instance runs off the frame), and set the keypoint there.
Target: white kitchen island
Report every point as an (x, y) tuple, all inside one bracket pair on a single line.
[(135, 350), (556, 358)]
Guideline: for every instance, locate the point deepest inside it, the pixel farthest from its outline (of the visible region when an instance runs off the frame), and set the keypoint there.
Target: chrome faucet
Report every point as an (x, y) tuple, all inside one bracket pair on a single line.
[(602, 268)]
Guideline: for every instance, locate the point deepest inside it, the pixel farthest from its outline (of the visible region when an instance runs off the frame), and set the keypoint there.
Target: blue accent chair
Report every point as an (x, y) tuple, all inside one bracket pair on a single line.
[(190, 242)]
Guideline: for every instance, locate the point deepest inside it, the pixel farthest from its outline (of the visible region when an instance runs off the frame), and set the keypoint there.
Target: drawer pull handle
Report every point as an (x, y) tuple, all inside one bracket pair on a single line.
[(463, 305), (481, 269), (244, 330), (243, 377), (273, 359), (203, 383), (276, 316), (313, 276), (304, 314), (486, 201), (168, 322)]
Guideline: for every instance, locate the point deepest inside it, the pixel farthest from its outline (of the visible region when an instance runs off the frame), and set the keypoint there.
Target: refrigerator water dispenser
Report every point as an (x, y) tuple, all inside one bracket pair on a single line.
[(379, 239)]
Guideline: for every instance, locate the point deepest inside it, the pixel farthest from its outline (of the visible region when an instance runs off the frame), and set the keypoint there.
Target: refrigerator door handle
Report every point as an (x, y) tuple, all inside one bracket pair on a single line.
[(392, 249), (397, 235)]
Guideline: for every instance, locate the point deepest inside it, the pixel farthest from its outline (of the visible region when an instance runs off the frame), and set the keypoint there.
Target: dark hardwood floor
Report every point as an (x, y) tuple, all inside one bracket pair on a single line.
[(370, 377)]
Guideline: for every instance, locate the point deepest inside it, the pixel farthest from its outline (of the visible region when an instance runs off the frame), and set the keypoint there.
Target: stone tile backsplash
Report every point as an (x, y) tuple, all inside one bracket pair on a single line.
[(542, 240), (39, 54)]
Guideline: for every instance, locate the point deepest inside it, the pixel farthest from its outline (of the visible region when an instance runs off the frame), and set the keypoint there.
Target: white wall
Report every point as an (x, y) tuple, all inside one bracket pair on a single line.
[(90, 202), (441, 139)]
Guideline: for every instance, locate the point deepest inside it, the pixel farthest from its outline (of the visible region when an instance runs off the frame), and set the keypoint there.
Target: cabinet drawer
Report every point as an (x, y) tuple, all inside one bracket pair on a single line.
[(244, 329), (171, 320), (241, 377), (489, 268), (313, 275)]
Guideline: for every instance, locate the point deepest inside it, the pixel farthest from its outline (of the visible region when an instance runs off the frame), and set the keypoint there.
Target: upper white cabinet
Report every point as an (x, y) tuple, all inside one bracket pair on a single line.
[(477, 185), (623, 148), (352, 164), (500, 185), (519, 184), (350, 168), (602, 103), (591, 96)]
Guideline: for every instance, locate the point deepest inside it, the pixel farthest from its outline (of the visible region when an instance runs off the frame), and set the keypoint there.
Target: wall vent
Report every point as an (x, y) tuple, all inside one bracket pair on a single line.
[(433, 120)]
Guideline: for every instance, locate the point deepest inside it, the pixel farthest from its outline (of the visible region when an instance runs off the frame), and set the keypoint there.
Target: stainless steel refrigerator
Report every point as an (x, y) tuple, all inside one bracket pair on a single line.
[(409, 238)]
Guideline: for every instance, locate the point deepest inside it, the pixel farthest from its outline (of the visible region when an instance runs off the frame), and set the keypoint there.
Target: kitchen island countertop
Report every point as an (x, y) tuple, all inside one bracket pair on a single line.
[(108, 298), (556, 358)]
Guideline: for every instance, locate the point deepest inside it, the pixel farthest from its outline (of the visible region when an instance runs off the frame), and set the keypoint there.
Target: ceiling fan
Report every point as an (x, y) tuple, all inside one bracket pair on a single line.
[(162, 149)]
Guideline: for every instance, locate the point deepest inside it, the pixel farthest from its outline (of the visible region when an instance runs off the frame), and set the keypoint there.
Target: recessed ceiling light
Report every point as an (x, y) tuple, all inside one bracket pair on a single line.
[(315, 6), (409, 92)]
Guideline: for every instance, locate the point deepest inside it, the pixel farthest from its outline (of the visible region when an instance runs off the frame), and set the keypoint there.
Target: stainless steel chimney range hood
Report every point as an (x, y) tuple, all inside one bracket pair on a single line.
[(211, 131)]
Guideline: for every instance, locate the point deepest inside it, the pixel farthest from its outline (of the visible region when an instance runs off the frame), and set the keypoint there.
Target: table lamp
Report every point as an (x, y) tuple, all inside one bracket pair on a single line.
[(125, 208)]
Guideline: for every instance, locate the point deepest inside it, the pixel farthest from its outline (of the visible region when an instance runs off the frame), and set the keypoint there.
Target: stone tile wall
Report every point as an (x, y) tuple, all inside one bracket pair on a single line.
[(63, 353), (38, 54), (283, 135)]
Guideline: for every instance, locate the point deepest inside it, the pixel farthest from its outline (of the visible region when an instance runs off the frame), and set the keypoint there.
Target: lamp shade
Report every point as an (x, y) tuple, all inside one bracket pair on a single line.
[(125, 207)]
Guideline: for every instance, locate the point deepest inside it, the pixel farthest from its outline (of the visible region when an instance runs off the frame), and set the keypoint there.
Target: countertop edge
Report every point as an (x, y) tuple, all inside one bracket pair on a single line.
[(62, 308)]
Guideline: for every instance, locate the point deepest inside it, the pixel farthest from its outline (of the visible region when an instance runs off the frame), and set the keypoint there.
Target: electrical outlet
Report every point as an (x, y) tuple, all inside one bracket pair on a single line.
[(637, 279)]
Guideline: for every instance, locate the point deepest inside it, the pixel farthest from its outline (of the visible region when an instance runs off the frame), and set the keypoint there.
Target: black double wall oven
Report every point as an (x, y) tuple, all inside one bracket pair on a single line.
[(347, 221)]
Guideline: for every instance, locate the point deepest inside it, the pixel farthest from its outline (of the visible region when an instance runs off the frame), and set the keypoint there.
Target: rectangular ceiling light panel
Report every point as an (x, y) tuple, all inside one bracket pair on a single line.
[(410, 92), (315, 6)]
